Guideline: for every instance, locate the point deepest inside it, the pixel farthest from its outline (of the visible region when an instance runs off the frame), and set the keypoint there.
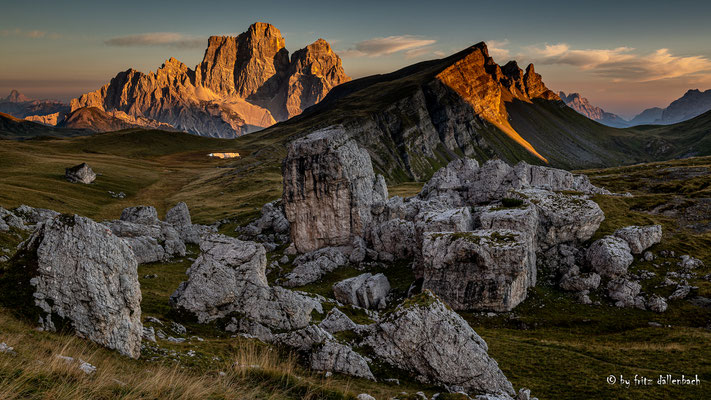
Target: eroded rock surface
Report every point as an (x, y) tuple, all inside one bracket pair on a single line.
[(426, 338), (329, 189), (229, 278), (81, 173), (78, 274)]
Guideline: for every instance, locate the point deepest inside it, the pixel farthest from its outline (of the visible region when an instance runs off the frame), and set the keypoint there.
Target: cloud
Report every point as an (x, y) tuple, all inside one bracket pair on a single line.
[(413, 46), (29, 34), (623, 63), (497, 50), (166, 39)]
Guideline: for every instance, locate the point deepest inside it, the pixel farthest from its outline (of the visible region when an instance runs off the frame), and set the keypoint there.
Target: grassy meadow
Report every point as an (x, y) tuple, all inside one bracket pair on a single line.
[(551, 344)]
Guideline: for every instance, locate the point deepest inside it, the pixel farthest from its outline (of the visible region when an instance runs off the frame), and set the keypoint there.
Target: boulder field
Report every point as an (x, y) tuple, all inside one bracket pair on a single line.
[(476, 238)]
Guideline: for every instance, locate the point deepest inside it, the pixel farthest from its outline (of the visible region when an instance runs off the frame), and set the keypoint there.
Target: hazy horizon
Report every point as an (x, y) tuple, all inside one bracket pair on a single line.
[(622, 57)]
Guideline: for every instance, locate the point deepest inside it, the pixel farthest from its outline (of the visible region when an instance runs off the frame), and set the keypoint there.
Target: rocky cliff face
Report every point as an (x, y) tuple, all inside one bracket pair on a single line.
[(314, 71), (240, 86), (583, 106)]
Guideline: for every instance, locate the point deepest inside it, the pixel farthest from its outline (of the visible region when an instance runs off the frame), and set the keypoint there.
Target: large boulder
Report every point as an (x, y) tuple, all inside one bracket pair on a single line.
[(329, 189), (366, 290), (451, 184), (179, 215), (81, 173), (478, 270), (425, 337), (74, 273), (610, 256), (640, 238), (228, 279)]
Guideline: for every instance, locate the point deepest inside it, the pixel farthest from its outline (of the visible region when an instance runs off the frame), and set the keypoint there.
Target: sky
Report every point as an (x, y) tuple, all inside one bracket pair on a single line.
[(624, 56)]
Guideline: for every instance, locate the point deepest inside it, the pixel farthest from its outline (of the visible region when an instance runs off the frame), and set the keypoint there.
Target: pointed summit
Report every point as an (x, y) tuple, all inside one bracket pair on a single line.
[(16, 97), (314, 71)]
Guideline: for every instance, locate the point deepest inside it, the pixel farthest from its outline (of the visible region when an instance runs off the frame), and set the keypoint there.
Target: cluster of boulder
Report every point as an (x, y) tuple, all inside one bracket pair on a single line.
[(476, 237), (77, 274)]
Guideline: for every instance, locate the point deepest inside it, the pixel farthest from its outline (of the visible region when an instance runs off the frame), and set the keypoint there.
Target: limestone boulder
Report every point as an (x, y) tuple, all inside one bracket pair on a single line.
[(228, 279), (329, 189), (479, 270), (624, 291), (610, 256), (33, 216), (640, 238), (423, 336), (73, 272), (366, 291), (81, 173)]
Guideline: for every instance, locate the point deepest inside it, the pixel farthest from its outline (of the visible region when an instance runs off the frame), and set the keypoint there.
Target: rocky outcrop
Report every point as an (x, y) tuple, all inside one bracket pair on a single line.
[(426, 338), (329, 189), (366, 291), (241, 85), (482, 269), (81, 173), (78, 275), (228, 279)]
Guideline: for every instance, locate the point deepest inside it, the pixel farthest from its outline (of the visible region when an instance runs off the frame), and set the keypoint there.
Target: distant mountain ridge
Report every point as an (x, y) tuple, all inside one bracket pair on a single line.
[(693, 103), (244, 83), (20, 106), (583, 106)]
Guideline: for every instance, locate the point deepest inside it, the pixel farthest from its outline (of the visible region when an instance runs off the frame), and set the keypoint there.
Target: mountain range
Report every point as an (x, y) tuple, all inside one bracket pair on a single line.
[(693, 103), (48, 112), (583, 106), (243, 84)]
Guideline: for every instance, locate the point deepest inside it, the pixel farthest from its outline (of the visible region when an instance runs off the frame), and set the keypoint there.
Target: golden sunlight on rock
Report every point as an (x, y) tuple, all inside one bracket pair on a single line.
[(223, 155)]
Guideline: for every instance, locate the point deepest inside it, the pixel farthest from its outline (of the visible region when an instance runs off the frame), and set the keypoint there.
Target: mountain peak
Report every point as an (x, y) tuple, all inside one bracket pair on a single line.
[(16, 97)]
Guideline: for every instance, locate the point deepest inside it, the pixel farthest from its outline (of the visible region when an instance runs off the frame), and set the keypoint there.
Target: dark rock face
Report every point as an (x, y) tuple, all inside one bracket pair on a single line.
[(81, 173), (241, 85)]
